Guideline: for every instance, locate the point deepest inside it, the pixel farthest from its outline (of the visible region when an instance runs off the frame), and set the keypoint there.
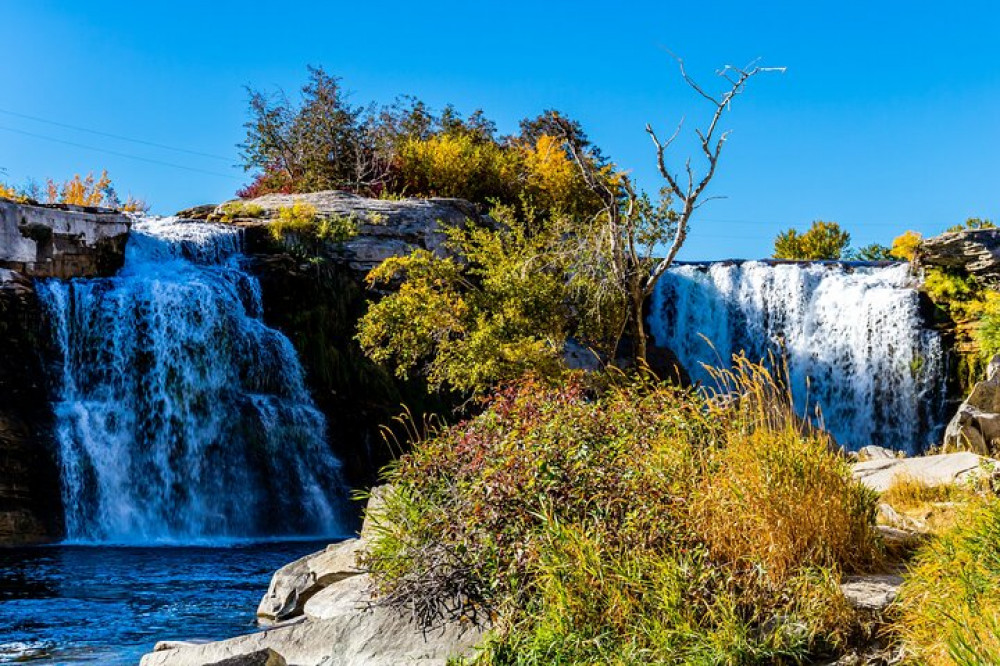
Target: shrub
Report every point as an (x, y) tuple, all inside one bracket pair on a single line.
[(822, 241), (239, 209), (582, 521), (949, 606)]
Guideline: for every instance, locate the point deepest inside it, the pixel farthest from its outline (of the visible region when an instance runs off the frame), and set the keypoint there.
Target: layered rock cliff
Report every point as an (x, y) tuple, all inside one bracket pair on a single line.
[(39, 242)]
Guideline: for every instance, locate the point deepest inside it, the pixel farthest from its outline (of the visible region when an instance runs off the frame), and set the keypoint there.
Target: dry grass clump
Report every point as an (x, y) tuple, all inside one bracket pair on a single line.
[(950, 602), (640, 523)]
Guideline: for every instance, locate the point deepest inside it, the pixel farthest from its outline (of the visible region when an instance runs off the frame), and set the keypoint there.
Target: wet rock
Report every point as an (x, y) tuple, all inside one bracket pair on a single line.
[(294, 584), (30, 506)]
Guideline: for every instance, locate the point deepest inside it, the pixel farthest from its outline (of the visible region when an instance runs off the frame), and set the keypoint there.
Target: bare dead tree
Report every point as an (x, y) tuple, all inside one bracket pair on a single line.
[(634, 229)]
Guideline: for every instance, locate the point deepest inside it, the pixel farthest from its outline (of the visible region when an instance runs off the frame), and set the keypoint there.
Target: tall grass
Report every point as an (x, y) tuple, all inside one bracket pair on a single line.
[(632, 524), (949, 603)]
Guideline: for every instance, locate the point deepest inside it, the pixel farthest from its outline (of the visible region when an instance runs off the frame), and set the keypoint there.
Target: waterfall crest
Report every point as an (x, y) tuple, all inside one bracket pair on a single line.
[(180, 416), (853, 337)]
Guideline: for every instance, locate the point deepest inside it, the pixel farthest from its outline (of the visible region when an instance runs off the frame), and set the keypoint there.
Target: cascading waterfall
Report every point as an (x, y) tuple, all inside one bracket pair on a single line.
[(852, 336), (180, 416)]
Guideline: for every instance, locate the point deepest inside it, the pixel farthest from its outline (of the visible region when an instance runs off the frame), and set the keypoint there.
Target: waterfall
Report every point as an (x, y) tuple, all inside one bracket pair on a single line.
[(853, 338), (180, 416)]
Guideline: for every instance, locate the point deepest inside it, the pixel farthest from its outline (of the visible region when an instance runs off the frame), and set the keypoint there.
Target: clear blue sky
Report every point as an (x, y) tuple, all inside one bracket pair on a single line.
[(888, 117)]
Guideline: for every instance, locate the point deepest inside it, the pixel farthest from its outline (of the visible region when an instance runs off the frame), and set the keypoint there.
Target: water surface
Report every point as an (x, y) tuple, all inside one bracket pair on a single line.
[(110, 604)]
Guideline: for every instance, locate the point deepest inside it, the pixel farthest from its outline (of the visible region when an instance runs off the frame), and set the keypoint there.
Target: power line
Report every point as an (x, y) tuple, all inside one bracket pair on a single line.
[(119, 154), (115, 136)]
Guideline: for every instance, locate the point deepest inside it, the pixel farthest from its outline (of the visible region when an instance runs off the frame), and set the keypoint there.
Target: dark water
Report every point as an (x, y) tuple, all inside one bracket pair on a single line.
[(109, 605)]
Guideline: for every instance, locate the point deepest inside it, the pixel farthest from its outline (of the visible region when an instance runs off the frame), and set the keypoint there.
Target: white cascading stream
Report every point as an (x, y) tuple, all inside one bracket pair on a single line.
[(180, 416), (853, 338)]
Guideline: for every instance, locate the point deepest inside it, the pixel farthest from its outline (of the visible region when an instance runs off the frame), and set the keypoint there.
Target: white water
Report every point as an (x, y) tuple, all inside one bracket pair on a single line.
[(182, 417), (853, 338)]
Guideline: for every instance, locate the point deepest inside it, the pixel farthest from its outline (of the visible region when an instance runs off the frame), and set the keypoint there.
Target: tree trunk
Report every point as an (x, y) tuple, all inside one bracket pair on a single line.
[(639, 326)]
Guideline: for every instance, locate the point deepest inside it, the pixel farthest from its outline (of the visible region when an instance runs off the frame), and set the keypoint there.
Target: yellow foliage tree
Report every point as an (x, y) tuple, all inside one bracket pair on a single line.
[(905, 245), (88, 191)]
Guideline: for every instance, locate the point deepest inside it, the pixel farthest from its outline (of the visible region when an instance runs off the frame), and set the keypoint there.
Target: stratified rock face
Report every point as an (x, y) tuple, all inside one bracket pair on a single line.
[(976, 251), (61, 241), (30, 510), (386, 228)]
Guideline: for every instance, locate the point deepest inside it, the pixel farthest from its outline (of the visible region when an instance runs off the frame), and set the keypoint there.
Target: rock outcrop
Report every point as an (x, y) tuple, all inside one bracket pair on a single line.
[(329, 619), (293, 585), (975, 251), (385, 228), (949, 468), (30, 509), (61, 241), (39, 241), (976, 424), (317, 301)]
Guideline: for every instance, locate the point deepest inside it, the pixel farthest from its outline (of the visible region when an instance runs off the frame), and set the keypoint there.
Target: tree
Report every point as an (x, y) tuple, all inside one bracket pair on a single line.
[(971, 224), (823, 241), (905, 245), (871, 252), (635, 228), (504, 303)]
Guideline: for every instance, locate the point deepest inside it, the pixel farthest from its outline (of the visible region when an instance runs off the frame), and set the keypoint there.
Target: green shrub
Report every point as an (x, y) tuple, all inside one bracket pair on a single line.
[(300, 228), (637, 523), (240, 209), (949, 604)]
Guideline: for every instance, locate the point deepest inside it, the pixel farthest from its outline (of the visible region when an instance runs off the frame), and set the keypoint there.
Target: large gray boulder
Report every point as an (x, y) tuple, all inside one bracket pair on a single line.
[(976, 424), (293, 585), (975, 251), (358, 634), (948, 468)]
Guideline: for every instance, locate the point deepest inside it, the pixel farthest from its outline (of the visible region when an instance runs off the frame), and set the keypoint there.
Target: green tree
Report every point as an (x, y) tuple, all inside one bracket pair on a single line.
[(871, 252), (504, 302), (971, 224), (822, 241)]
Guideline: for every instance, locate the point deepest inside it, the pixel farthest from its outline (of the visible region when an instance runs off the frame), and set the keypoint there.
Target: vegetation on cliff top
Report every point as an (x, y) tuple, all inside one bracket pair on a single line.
[(77, 191), (631, 523)]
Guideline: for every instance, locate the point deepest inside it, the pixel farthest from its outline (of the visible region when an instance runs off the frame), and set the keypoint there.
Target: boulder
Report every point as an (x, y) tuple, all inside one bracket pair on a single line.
[(975, 251), (976, 424), (342, 598), (266, 657), (872, 452), (376, 502), (948, 468), (294, 584), (872, 593), (374, 636)]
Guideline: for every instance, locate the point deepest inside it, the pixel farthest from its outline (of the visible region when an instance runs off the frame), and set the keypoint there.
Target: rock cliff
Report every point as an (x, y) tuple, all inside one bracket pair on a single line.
[(61, 241), (39, 242), (317, 300)]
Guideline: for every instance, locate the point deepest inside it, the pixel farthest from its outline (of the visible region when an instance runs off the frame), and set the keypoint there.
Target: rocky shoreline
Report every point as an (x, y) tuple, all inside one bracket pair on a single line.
[(319, 611)]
